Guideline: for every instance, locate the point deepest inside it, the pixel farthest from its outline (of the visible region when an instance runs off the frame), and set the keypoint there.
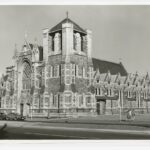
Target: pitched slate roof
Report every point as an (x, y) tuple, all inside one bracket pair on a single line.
[(76, 27), (105, 66)]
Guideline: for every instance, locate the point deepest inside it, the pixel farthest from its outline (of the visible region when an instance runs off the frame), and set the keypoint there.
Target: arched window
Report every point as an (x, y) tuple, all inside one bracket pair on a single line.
[(82, 42), (53, 43), (26, 78), (74, 42)]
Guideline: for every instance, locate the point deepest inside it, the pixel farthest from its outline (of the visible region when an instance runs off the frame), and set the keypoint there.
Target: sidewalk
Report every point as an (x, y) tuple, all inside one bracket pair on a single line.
[(140, 120), (103, 122)]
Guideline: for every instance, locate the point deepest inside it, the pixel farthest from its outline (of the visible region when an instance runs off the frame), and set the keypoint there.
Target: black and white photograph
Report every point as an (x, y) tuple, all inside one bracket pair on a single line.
[(74, 72)]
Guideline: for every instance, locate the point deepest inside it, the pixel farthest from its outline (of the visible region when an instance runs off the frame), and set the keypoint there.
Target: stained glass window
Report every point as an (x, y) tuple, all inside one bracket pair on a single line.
[(26, 79)]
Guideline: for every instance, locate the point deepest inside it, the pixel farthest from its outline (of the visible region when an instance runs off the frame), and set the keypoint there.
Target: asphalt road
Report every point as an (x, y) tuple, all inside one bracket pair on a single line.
[(26, 133)]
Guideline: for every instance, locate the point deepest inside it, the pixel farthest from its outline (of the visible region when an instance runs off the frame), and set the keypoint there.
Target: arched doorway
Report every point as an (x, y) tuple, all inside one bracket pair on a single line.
[(101, 106)]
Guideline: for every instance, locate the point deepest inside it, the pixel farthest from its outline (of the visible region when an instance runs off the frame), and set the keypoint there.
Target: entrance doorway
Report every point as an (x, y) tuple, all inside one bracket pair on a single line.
[(21, 109), (101, 106), (98, 108)]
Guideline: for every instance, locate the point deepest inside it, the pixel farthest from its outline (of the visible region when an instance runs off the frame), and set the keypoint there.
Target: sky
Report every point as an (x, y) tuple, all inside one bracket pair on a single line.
[(120, 33)]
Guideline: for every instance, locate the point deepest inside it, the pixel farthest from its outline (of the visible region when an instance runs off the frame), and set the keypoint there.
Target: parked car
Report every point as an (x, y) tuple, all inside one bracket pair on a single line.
[(15, 116), (2, 116)]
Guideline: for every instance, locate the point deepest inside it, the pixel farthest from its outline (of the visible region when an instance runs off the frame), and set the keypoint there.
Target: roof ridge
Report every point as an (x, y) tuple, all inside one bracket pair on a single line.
[(106, 60), (58, 26), (76, 24), (105, 65)]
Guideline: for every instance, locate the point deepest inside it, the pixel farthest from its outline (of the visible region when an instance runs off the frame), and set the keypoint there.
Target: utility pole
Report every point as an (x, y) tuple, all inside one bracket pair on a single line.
[(120, 103)]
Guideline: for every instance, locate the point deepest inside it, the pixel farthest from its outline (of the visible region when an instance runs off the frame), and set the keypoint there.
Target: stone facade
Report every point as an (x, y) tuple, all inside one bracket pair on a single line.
[(61, 78), (53, 79)]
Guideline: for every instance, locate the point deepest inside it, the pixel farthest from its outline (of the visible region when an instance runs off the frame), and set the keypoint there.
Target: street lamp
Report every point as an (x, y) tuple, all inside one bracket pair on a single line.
[(120, 105)]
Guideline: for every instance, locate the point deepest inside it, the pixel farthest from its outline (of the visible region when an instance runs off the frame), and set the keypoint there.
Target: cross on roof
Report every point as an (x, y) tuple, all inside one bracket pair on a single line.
[(67, 14)]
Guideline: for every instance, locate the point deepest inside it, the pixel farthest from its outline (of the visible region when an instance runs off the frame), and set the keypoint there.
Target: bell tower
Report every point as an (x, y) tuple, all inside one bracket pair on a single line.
[(67, 54)]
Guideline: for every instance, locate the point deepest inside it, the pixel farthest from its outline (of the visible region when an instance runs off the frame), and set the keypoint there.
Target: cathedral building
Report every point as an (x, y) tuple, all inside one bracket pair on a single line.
[(60, 78)]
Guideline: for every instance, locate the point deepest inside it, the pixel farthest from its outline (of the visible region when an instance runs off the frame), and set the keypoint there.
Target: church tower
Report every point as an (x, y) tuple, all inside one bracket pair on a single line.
[(68, 68)]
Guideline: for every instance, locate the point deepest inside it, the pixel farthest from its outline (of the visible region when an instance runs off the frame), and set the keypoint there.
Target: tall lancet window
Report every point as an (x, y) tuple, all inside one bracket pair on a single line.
[(53, 44), (26, 79), (78, 41), (83, 44), (57, 42), (82, 41), (74, 41), (50, 44)]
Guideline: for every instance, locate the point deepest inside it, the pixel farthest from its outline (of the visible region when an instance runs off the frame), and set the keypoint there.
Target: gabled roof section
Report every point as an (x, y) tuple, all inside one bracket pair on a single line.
[(114, 77), (76, 27), (103, 76), (122, 79), (40, 48), (105, 66)]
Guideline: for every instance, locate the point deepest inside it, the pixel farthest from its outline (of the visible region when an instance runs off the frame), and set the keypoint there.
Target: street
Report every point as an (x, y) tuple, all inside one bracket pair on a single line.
[(32, 133), (74, 129)]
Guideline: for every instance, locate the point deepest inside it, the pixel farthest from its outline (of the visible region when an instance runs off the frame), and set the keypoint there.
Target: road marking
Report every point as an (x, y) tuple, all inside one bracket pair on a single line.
[(59, 135)]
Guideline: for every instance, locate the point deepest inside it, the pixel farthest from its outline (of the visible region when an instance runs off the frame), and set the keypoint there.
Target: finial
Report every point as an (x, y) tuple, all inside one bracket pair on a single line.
[(120, 60), (35, 42), (67, 14)]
